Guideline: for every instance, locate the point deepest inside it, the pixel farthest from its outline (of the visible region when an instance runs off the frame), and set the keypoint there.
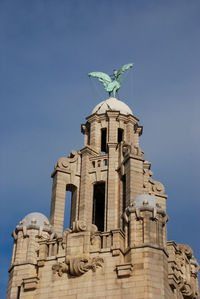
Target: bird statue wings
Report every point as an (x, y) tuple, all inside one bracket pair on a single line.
[(111, 85)]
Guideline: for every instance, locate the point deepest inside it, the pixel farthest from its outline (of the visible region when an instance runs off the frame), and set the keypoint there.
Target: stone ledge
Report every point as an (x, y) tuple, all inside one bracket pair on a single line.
[(30, 283), (124, 270)]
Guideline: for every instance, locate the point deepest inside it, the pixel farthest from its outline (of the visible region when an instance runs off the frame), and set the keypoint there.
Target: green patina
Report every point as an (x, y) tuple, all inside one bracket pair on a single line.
[(111, 85)]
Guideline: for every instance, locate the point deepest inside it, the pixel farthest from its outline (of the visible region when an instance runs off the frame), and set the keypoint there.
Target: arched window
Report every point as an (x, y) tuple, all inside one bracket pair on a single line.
[(99, 205), (70, 205)]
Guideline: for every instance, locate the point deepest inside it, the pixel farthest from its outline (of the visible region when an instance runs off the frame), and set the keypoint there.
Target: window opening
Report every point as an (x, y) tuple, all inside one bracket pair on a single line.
[(105, 162), (99, 205), (88, 137), (120, 135), (124, 197), (70, 205), (18, 292), (103, 140)]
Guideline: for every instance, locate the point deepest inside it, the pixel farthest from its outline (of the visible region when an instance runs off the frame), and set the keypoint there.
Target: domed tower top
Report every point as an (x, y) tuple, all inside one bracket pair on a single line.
[(112, 104)]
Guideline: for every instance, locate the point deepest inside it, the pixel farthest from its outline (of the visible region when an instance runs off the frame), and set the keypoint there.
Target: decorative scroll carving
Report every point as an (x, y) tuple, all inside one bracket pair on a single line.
[(131, 149), (64, 163), (79, 225), (185, 249), (77, 259), (78, 266), (149, 184), (186, 289), (183, 269)]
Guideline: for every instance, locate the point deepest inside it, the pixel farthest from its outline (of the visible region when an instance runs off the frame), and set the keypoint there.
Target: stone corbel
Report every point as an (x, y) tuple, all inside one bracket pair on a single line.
[(30, 283), (124, 270)]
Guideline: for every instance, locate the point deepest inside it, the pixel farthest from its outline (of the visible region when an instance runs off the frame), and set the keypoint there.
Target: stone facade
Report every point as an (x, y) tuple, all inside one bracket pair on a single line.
[(116, 246)]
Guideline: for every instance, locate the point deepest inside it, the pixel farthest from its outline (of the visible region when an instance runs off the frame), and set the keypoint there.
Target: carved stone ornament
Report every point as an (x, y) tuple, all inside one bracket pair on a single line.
[(184, 269), (78, 266), (131, 149), (64, 162), (79, 225), (188, 290), (150, 184)]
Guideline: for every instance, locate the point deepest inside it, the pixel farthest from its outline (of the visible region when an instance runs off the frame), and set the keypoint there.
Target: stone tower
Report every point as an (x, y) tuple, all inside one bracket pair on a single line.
[(116, 245)]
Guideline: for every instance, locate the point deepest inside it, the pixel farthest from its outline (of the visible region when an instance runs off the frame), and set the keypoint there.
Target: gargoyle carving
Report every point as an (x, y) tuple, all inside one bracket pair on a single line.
[(77, 266)]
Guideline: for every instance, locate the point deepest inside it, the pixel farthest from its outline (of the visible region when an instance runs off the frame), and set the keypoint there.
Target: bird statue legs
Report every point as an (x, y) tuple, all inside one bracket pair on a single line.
[(114, 92)]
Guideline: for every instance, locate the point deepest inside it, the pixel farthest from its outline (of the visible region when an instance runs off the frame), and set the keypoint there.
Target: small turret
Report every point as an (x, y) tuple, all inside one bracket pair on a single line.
[(145, 225), (32, 227), (147, 222), (23, 269)]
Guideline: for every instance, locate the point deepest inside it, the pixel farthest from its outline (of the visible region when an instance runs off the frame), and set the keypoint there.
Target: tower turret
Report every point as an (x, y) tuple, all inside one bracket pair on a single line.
[(116, 244), (23, 269)]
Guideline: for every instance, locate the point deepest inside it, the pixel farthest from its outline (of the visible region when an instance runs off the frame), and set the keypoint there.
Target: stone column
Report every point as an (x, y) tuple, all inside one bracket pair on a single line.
[(134, 177), (113, 178), (95, 133), (86, 194), (58, 201)]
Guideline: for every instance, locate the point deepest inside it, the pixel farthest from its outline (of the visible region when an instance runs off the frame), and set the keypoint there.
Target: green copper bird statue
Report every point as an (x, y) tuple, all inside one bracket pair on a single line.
[(111, 85)]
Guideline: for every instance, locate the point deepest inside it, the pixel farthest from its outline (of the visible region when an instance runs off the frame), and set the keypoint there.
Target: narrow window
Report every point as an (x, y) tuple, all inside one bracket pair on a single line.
[(120, 135), (70, 205), (88, 136), (103, 140), (18, 292), (124, 196), (99, 205)]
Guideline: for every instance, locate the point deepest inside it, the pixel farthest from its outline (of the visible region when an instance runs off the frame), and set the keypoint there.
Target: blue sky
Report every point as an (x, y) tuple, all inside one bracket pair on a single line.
[(46, 50)]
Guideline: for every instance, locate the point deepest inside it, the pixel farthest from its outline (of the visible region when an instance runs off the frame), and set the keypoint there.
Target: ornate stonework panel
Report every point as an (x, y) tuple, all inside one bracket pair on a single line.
[(183, 270)]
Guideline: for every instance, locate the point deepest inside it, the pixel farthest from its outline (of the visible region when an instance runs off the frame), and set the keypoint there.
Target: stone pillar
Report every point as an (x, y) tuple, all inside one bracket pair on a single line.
[(112, 187), (113, 178), (134, 177), (95, 133), (86, 192), (58, 201)]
